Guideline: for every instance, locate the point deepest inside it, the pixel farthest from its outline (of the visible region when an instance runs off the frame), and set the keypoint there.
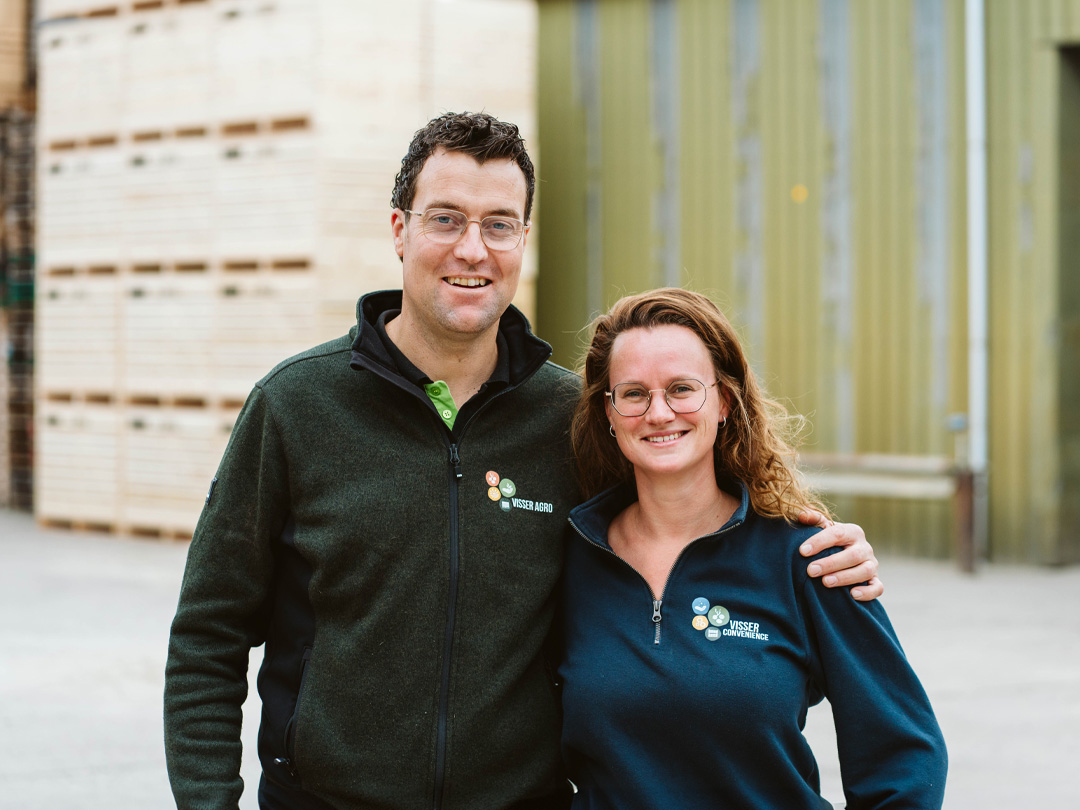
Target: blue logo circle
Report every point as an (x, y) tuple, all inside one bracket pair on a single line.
[(701, 605)]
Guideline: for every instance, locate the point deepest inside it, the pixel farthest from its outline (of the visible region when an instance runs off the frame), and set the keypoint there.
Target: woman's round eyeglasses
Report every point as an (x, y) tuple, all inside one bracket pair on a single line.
[(634, 399)]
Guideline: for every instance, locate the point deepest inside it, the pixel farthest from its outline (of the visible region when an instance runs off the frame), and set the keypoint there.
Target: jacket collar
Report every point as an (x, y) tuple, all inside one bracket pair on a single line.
[(593, 518), (525, 352)]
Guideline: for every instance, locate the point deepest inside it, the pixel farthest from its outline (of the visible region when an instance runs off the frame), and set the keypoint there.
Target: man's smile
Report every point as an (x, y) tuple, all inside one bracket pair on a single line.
[(463, 281)]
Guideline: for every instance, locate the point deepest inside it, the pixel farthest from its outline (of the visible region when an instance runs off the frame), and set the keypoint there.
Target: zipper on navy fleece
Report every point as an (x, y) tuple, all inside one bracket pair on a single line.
[(657, 604), (448, 639)]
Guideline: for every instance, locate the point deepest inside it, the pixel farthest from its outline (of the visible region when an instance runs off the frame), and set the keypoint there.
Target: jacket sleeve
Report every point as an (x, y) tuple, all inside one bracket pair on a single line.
[(224, 594), (892, 753)]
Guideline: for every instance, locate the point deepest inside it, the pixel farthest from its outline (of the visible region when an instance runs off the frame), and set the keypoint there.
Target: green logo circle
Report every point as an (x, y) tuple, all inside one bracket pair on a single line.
[(719, 616), (507, 488)]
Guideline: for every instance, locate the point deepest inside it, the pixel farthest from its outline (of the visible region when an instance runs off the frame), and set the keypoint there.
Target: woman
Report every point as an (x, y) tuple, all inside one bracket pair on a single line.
[(695, 642)]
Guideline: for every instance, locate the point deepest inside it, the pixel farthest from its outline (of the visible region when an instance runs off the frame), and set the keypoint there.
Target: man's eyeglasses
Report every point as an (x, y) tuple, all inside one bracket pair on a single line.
[(634, 399), (446, 226)]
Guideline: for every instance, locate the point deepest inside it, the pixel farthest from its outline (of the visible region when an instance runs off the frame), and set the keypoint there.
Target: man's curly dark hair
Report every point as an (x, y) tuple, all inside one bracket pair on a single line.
[(479, 135)]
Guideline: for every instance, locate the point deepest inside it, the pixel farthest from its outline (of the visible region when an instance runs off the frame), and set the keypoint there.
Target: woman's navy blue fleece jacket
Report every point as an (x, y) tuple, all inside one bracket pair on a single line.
[(698, 701)]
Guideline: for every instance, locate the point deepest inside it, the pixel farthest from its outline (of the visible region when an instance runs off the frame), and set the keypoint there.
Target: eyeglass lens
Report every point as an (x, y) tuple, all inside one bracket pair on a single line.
[(446, 227), (682, 396)]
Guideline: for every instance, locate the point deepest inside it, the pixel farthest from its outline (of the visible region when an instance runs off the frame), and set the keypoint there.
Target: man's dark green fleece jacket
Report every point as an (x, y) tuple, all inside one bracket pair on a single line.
[(402, 576)]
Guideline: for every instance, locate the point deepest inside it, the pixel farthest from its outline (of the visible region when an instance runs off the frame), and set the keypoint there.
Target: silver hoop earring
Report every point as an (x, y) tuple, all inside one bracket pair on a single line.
[(723, 421), (611, 430)]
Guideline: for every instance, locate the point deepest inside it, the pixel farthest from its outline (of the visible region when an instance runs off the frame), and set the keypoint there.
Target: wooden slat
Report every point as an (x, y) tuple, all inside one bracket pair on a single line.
[(877, 462), (882, 485)]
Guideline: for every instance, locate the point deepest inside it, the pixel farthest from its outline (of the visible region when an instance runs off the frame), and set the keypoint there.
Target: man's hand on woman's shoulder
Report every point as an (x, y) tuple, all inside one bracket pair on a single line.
[(854, 565)]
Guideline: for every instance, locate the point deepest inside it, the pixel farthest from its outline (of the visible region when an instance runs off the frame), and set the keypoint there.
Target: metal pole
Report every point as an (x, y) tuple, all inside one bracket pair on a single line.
[(978, 271)]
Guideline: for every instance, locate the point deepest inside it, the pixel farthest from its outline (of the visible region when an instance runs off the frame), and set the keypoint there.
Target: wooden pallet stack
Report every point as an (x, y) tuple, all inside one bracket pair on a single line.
[(5, 391), (215, 183), (13, 56), (14, 434), (17, 209)]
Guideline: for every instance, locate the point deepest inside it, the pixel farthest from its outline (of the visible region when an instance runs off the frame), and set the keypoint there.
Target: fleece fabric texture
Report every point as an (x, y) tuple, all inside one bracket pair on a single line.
[(704, 710), (404, 608)]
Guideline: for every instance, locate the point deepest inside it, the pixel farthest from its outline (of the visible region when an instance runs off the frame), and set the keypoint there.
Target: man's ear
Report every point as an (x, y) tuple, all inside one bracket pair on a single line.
[(397, 229)]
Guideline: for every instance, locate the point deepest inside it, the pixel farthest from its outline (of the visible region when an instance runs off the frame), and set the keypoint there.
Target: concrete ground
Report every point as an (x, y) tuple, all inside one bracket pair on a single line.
[(84, 623)]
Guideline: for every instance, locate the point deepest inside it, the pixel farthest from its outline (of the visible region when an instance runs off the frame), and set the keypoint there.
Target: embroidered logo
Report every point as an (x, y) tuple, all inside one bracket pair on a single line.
[(717, 622), (503, 491)]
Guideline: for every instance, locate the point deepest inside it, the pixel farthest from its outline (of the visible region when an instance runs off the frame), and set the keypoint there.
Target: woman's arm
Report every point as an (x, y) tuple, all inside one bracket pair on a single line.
[(892, 753)]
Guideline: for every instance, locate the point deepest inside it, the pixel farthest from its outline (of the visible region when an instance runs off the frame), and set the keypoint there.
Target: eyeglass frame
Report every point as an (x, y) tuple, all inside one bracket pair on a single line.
[(480, 222), (611, 396)]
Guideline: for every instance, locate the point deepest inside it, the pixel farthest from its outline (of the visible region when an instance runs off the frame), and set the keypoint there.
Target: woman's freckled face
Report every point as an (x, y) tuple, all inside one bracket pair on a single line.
[(662, 441)]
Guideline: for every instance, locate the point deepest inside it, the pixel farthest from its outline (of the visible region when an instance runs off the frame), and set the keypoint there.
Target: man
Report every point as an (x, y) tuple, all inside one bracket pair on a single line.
[(388, 519)]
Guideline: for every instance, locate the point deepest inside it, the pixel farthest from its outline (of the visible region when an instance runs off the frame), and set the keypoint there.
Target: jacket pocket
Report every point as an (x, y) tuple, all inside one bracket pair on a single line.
[(290, 727)]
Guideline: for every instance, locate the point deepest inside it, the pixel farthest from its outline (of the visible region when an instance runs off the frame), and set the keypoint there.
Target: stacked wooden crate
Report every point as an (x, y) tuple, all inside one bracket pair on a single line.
[(13, 58), (5, 390), (17, 209), (215, 182), (18, 398), (13, 61)]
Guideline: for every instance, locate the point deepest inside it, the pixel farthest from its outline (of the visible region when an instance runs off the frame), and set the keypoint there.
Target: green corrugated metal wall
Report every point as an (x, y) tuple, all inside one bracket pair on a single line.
[(803, 161), (1034, 278)]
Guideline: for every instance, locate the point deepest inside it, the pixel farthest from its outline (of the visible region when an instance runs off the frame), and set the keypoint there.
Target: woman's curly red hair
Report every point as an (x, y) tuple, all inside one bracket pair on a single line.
[(751, 447)]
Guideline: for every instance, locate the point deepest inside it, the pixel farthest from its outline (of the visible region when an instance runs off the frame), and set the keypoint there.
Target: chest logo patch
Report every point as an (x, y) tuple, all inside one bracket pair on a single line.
[(717, 622), (503, 491)]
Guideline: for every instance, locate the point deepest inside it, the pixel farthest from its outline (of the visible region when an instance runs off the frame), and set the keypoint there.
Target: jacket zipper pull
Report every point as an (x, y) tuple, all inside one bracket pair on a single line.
[(455, 461), (657, 618), (286, 763)]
